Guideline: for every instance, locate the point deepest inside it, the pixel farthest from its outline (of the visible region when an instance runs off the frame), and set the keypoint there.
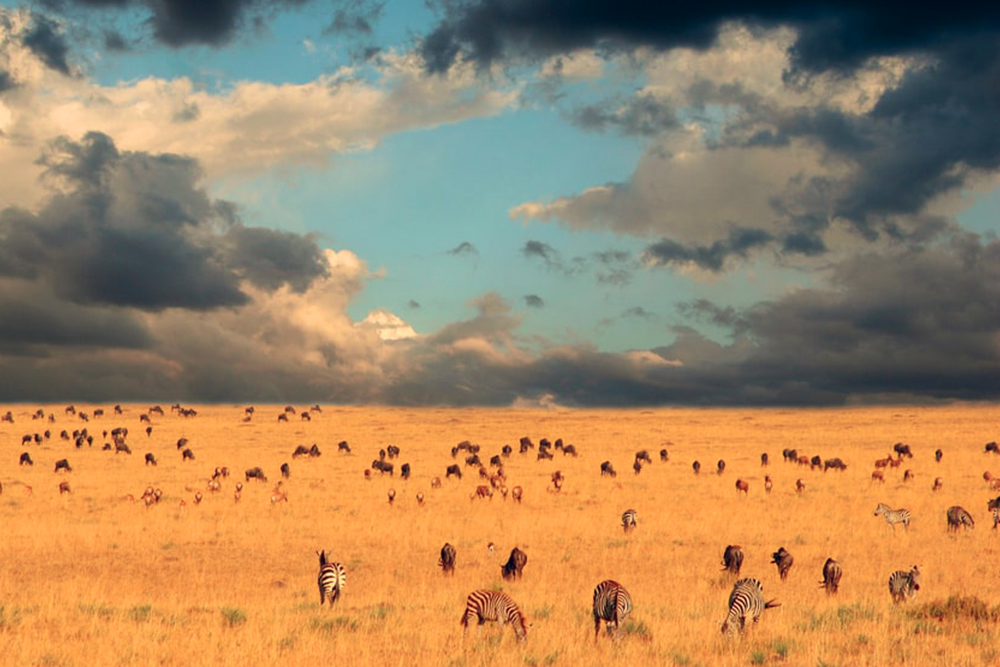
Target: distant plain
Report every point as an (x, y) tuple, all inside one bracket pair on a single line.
[(93, 577)]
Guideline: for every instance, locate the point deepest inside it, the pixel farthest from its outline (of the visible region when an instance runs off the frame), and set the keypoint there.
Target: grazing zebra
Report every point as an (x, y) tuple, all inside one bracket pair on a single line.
[(892, 517), (784, 561), (483, 605), (332, 578), (447, 560), (959, 517), (904, 585), (612, 604), (515, 564), (732, 559), (628, 520), (831, 576), (745, 601)]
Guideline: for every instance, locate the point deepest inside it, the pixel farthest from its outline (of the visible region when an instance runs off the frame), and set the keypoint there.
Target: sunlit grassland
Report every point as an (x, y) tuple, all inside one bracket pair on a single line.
[(91, 578)]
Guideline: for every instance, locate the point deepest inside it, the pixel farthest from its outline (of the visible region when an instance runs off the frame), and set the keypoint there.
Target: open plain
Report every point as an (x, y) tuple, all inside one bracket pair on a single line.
[(95, 577)]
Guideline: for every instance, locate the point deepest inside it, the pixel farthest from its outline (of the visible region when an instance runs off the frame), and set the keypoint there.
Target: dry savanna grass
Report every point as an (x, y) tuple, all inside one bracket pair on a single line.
[(92, 578)]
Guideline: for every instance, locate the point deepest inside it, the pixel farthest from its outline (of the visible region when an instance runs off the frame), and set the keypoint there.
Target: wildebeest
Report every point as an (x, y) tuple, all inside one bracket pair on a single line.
[(742, 485), (181, 443), (496, 461), (314, 451), (63, 487), (763, 459), (526, 444), (816, 462), (453, 469), (25, 459), (902, 450), (473, 461), (732, 559), (831, 576), (404, 471), (282, 417), (696, 466), (790, 455), (608, 469), (834, 463), (63, 464), (342, 446), (383, 467), (256, 473), (937, 455), (570, 450), (187, 454), (392, 451), (305, 416), (643, 455), (720, 467), (544, 454), (990, 446), (506, 450), (447, 560), (301, 450), (664, 456), (637, 466), (286, 472), (784, 561), (512, 569)]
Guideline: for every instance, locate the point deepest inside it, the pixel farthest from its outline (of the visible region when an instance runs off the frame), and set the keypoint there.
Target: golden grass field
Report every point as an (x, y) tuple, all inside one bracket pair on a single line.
[(90, 578)]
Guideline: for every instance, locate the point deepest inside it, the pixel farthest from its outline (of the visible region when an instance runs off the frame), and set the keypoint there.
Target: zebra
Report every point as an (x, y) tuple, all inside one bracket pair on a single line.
[(745, 601), (904, 585), (332, 578), (959, 517), (783, 560), (447, 560), (732, 559), (831, 576), (612, 604), (628, 520), (484, 605), (515, 564), (892, 517)]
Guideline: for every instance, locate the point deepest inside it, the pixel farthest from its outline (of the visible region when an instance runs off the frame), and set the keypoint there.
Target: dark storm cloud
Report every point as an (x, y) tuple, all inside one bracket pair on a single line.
[(49, 45), (414, 304), (533, 301), (356, 17), (463, 248), (831, 36), (738, 243), (723, 316), (6, 81), (540, 250), (133, 229)]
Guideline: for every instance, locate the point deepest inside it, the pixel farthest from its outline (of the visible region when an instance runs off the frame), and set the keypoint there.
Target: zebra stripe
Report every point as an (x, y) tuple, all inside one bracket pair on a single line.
[(892, 517), (331, 580), (612, 604), (959, 517), (628, 520), (904, 585), (483, 605), (745, 601)]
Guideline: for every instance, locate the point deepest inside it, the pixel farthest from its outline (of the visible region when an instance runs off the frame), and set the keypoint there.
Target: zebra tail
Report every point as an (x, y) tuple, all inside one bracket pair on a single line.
[(770, 604)]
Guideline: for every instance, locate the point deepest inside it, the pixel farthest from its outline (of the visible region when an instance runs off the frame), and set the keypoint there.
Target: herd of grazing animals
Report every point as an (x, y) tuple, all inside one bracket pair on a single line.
[(611, 601)]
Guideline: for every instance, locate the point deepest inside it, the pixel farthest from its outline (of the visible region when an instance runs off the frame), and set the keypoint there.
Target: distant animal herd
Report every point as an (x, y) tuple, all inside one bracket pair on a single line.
[(612, 603)]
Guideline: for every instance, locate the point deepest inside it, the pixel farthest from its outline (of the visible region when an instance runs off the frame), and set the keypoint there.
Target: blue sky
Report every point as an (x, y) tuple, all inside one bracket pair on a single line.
[(497, 203)]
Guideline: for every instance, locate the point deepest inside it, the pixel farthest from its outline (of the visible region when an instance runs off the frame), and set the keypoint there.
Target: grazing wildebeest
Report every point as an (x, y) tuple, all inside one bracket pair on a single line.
[(301, 450), (643, 455), (149, 431), (732, 559), (664, 455), (937, 455), (392, 451), (526, 444), (187, 454), (453, 469), (63, 464), (834, 463), (342, 446), (783, 560), (990, 446), (570, 450), (282, 417), (902, 450), (26, 459), (496, 461), (544, 454), (473, 461), (742, 485), (383, 467), (286, 472), (256, 473), (720, 467), (404, 471), (144, 418), (63, 487), (878, 476), (608, 469), (120, 446), (515, 564), (181, 443), (305, 416), (150, 459), (637, 466), (696, 466), (506, 450), (815, 462)]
